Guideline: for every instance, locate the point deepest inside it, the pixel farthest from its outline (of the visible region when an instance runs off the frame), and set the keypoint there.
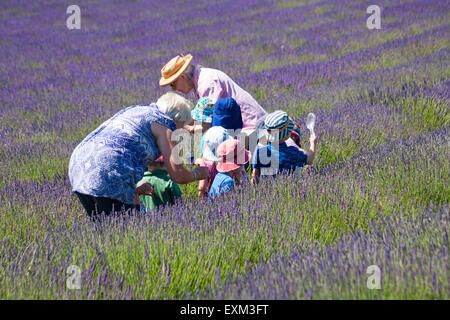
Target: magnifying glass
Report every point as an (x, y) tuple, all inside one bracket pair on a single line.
[(310, 122)]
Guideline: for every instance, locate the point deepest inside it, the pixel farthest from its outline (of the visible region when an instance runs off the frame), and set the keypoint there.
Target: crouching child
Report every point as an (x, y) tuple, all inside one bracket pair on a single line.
[(165, 190), (277, 156), (232, 156)]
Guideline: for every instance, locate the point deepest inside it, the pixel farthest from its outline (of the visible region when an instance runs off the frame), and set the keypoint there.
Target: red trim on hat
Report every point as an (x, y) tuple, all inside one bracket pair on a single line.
[(281, 129)]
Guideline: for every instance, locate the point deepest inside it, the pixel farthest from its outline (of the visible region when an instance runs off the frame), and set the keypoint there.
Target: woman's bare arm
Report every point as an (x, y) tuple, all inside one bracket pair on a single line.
[(178, 173)]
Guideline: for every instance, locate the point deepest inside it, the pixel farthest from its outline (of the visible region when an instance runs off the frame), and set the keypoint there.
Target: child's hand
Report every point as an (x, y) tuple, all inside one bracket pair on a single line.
[(145, 189), (189, 128), (198, 162)]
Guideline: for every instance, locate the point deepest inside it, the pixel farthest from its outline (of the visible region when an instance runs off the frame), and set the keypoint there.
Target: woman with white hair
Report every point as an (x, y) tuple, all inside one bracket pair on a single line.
[(106, 166)]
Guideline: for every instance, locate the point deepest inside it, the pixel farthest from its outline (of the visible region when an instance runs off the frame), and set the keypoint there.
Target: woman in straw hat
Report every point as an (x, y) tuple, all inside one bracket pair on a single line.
[(184, 76), (106, 166)]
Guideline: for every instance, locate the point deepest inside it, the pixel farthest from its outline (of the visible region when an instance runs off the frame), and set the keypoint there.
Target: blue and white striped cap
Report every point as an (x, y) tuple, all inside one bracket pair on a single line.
[(278, 125)]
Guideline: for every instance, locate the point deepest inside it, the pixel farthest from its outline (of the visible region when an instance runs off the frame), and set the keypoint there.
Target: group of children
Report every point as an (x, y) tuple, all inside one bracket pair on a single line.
[(278, 149)]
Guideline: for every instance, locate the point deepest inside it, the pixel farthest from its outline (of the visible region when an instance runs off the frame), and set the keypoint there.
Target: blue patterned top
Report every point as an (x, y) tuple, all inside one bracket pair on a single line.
[(112, 159)]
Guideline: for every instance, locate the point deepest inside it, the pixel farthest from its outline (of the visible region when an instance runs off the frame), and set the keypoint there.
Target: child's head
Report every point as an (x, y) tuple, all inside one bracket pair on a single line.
[(212, 139), (232, 155), (158, 164), (279, 126), (203, 112)]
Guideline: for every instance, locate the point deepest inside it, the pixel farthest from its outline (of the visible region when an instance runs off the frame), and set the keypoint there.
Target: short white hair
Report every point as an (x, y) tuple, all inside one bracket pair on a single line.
[(175, 106), (189, 72)]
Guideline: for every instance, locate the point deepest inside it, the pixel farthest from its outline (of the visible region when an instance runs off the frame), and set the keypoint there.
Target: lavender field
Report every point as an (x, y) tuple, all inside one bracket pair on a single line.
[(377, 194)]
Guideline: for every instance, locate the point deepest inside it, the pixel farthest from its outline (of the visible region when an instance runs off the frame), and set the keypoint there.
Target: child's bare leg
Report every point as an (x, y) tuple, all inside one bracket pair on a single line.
[(255, 176)]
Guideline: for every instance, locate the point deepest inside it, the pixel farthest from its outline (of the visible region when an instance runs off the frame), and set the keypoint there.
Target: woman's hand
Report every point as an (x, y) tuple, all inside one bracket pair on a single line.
[(145, 189), (189, 128)]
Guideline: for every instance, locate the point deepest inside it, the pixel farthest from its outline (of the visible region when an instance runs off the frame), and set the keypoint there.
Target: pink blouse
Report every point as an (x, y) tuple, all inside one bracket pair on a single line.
[(216, 84)]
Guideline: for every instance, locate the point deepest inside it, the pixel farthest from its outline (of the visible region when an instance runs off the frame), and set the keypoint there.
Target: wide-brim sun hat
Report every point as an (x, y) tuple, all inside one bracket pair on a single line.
[(227, 114), (211, 140), (231, 155), (174, 68), (278, 125), (203, 110)]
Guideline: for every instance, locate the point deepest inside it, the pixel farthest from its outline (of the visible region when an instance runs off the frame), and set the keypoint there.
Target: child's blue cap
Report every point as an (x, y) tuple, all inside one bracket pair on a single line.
[(227, 114)]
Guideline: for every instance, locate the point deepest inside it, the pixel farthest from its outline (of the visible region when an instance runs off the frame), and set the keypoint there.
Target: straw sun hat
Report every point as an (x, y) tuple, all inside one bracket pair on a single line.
[(174, 68)]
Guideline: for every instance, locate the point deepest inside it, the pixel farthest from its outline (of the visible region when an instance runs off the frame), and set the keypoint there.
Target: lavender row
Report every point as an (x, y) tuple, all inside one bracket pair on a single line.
[(383, 113), (175, 252), (410, 254)]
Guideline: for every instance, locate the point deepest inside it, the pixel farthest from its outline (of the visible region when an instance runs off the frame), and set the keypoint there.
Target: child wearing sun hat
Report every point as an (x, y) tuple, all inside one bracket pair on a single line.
[(227, 114), (294, 140), (202, 113), (277, 156), (201, 121), (231, 155), (212, 139)]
